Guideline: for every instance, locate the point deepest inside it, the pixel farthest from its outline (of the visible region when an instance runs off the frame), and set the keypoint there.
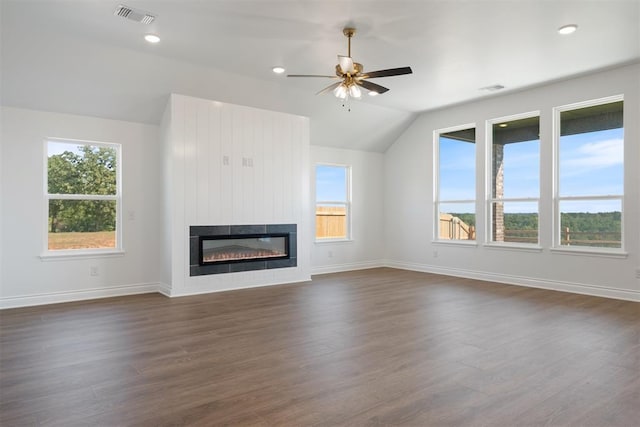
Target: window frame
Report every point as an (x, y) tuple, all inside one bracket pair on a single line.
[(488, 181), (118, 250), (436, 186), (557, 245), (347, 204)]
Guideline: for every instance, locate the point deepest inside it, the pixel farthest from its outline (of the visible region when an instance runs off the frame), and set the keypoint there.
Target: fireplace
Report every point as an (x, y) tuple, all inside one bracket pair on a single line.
[(219, 249), (216, 249)]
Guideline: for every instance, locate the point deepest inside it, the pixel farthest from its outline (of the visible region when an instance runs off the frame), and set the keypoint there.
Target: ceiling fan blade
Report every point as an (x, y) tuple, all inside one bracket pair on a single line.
[(329, 88), (311, 75), (346, 64), (387, 73), (372, 86)]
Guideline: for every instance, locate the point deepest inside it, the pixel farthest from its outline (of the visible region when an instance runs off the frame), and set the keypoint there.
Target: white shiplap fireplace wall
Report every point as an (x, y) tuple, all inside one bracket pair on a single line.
[(230, 164)]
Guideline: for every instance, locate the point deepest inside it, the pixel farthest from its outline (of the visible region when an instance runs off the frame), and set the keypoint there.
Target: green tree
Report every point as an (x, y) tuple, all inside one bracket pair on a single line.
[(98, 170), (63, 177), (93, 172)]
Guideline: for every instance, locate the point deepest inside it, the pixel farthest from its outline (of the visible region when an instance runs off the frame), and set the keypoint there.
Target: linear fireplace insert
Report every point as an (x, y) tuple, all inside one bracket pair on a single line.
[(230, 248), (243, 248)]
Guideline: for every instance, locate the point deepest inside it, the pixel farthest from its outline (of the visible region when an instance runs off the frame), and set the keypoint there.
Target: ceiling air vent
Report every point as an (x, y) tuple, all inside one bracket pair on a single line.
[(492, 88), (134, 14)]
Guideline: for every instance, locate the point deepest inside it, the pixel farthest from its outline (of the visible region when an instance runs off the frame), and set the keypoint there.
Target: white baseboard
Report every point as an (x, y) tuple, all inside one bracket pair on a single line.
[(79, 295), (164, 289), (576, 288), (337, 268)]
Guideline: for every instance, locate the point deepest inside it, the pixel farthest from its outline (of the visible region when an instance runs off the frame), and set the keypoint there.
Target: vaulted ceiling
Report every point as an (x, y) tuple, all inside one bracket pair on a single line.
[(78, 57)]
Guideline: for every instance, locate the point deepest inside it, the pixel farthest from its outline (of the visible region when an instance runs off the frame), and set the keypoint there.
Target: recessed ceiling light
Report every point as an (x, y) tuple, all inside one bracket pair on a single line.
[(373, 93), (278, 70), (503, 125), (567, 29), (151, 38)]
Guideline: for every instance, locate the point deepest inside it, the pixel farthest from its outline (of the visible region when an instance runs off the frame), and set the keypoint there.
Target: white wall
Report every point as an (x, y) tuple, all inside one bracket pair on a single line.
[(28, 280), (202, 190), (365, 249), (2, 172), (409, 195)]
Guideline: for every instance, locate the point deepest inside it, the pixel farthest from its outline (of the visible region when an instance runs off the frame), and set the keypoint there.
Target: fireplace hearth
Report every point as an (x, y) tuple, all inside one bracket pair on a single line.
[(219, 249)]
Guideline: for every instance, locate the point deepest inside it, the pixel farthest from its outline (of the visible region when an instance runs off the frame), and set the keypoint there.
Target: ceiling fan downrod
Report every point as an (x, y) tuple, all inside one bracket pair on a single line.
[(349, 32)]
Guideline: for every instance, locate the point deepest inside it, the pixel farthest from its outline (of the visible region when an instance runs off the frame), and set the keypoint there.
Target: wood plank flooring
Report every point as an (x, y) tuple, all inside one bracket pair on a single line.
[(372, 347)]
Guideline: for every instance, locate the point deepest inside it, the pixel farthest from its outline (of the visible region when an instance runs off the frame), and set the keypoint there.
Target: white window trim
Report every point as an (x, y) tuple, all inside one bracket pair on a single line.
[(514, 246), (347, 204), (459, 243), (590, 251), (49, 255), (488, 190), (436, 187), (557, 246)]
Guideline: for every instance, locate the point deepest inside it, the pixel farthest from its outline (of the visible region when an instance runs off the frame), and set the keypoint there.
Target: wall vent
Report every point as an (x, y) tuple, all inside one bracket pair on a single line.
[(134, 14)]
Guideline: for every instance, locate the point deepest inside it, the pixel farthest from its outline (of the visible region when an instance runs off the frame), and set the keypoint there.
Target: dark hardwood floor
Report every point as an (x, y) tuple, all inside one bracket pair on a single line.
[(374, 347)]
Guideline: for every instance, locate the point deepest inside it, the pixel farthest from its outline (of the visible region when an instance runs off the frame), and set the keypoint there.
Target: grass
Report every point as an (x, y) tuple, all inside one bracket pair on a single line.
[(76, 240)]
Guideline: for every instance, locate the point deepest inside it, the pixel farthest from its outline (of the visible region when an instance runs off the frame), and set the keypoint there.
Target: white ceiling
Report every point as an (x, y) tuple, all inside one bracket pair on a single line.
[(77, 57)]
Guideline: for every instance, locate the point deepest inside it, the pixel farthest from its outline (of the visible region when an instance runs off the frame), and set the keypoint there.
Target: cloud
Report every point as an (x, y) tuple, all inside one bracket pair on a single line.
[(595, 155)]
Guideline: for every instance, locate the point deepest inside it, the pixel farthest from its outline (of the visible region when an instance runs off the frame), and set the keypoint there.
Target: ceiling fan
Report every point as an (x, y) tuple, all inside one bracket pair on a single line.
[(352, 77)]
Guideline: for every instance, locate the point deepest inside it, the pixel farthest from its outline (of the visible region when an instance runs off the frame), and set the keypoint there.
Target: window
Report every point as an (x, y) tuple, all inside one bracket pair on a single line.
[(515, 180), (590, 182), (333, 202), (455, 177), (83, 196)]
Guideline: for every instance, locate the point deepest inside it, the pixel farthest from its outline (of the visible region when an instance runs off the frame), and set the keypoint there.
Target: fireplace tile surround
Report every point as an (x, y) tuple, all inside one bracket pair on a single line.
[(197, 232)]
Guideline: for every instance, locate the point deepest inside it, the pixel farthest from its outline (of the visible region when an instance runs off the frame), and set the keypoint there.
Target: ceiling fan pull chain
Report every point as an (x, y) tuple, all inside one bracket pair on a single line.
[(346, 104)]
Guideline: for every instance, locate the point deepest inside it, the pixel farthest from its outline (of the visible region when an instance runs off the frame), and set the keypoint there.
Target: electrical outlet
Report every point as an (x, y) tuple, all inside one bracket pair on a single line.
[(435, 254), (132, 215), (93, 271), (225, 160)]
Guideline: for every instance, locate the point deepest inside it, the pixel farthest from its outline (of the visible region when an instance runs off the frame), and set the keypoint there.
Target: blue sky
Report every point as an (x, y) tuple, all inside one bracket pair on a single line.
[(591, 164), (331, 183), (594, 163), (457, 170)]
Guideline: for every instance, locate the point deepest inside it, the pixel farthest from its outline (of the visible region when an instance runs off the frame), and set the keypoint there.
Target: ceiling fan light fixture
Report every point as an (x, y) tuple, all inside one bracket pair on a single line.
[(341, 91), (354, 91)]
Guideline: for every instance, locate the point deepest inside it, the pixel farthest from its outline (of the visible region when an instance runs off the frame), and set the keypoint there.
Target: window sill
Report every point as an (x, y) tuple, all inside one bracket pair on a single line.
[(514, 247), (323, 241), (80, 254), (594, 252), (468, 243)]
